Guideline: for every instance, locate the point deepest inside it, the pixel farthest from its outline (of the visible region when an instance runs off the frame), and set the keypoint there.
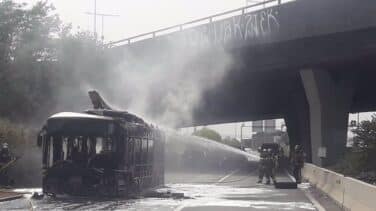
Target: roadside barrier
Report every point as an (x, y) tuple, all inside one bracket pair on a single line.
[(351, 194)]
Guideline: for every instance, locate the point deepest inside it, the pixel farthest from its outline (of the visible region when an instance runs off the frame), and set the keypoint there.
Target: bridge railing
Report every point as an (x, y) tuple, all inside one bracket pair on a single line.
[(254, 6)]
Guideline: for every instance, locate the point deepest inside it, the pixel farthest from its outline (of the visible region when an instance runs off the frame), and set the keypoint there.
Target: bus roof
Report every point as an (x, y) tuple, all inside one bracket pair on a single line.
[(74, 115)]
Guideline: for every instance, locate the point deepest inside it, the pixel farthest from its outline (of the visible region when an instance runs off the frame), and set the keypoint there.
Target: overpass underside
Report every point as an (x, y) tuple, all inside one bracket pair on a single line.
[(312, 83), (309, 62)]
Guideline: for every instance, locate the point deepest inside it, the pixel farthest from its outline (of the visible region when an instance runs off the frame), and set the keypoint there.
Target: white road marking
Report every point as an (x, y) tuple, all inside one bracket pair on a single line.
[(308, 195), (179, 208), (227, 176), (31, 205)]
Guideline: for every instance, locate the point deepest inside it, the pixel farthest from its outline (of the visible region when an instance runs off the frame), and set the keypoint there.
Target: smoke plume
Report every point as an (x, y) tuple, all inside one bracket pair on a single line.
[(160, 79)]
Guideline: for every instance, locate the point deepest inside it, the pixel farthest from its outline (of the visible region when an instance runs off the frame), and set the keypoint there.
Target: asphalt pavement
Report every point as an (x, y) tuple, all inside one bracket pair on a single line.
[(236, 190), (232, 189)]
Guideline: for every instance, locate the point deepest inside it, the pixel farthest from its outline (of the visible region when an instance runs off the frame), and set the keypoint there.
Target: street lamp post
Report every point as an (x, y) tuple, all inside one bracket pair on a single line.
[(95, 20), (358, 119), (102, 16), (241, 131), (95, 14), (241, 134)]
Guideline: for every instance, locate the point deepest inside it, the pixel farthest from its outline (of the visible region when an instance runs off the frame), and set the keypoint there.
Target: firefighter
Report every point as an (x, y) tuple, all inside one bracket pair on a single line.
[(281, 158), (4, 153), (298, 162), (266, 166), (262, 164), (272, 162)]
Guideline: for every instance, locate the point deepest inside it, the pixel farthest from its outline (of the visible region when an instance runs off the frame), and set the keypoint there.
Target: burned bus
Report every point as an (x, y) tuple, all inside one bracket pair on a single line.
[(100, 152)]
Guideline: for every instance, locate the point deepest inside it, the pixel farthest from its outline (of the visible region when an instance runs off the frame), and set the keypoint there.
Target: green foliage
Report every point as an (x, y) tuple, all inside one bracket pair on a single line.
[(208, 133), (41, 59), (232, 142), (26, 52), (359, 161), (364, 147)]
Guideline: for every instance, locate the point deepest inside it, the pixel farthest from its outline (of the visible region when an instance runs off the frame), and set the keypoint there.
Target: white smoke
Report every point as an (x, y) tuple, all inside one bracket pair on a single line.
[(168, 80)]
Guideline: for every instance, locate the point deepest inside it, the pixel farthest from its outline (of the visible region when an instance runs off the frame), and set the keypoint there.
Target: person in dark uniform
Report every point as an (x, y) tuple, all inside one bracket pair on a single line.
[(272, 165), (5, 158), (5, 155), (266, 166), (262, 164), (298, 163)]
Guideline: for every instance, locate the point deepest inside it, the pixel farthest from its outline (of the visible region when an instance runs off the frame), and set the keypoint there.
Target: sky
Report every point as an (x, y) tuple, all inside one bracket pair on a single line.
[(141, 16), (136, 17)]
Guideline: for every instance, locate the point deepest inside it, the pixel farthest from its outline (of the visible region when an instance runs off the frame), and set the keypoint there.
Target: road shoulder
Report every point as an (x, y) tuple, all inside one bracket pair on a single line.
[(321, 198)]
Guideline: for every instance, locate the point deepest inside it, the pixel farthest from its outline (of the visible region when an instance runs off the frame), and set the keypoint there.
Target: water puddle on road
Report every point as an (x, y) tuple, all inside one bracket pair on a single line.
[(197, 197), (257, 197)]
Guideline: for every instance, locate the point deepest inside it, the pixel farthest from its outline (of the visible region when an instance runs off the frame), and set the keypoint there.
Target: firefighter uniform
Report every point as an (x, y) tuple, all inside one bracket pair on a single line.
[(4, 153), (266, 166), (298, 162), (273, 165)]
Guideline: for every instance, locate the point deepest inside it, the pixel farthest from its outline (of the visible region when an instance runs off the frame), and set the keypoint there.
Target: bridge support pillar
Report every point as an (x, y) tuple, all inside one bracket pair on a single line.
[(297, 124), (329, 103)]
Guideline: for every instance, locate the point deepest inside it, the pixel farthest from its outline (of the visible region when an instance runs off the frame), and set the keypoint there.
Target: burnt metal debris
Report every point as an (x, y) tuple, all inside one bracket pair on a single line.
[(101, 152)]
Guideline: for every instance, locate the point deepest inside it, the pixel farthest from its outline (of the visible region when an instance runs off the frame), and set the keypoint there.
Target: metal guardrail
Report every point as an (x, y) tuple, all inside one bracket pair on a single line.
[(181, 27)]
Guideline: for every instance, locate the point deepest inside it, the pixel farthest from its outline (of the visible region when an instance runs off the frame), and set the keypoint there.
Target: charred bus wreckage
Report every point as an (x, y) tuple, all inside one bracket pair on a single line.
[(100, 152)]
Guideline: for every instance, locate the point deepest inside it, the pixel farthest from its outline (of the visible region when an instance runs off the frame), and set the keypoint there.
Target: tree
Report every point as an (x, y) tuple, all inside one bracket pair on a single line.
[(43, 65), (364, 144), (233, 142), (27, 45), (208, 133)]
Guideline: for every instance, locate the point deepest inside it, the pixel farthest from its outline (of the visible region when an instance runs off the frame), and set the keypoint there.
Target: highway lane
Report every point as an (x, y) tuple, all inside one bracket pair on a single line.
[(223, 190), (239, 191)]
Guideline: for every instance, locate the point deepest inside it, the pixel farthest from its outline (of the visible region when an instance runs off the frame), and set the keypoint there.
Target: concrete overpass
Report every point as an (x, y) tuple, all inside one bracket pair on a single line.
[(310, 62)]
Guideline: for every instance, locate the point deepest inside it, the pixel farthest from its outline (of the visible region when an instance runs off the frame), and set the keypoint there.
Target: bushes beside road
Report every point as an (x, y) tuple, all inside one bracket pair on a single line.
[(359, 160)]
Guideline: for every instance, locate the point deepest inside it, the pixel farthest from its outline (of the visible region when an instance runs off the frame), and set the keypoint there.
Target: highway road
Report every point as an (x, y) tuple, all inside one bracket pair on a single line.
[(225, 190)]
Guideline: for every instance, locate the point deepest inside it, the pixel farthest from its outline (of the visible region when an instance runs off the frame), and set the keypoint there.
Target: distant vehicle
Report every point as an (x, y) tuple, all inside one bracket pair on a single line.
[(100, 152)]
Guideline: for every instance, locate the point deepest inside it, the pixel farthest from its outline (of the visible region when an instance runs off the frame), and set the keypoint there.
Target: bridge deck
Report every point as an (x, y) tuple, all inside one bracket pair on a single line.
[(268, 22)]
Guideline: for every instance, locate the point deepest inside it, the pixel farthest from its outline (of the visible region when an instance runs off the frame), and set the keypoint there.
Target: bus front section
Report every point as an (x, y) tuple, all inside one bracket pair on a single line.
[(80, 155)]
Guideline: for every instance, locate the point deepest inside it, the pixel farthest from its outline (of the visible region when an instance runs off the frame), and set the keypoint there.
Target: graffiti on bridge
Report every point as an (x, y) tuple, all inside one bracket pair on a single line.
[(246, 27)]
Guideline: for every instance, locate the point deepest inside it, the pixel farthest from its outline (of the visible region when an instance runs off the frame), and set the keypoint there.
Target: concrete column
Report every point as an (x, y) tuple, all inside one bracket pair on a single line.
[(297, 123), (329, 102)]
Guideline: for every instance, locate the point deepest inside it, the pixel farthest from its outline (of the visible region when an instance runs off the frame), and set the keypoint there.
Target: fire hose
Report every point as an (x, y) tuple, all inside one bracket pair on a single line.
[(2, 168)]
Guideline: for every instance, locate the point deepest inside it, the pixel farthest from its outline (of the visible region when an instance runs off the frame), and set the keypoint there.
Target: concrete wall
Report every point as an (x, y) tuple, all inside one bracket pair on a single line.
[(348, 192)]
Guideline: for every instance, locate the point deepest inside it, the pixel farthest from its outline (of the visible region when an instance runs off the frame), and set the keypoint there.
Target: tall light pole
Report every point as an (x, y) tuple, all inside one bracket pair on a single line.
[(236, 132), (102, 16), (241, 134), (358, 119), (241, 131), (95, 20)]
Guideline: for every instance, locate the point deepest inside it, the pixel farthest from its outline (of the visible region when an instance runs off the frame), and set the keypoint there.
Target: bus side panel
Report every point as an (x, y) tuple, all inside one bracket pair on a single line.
[(158, 161)]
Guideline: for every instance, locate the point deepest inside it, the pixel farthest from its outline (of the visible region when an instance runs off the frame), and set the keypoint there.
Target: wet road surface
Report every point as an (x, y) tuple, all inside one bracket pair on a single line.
[(227, 190), (240, 191)]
